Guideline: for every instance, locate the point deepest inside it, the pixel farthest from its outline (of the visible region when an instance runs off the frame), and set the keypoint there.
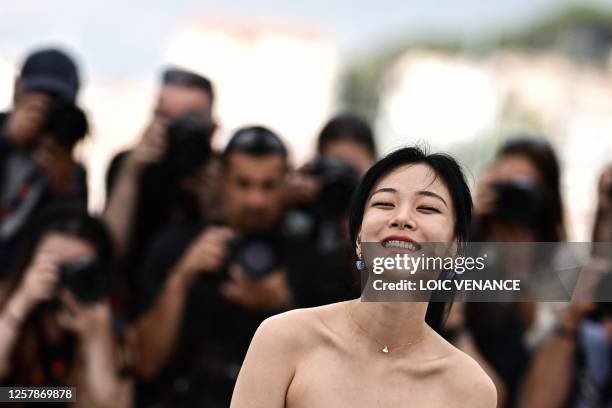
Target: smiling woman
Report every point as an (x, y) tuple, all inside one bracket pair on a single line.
[(385, 354)]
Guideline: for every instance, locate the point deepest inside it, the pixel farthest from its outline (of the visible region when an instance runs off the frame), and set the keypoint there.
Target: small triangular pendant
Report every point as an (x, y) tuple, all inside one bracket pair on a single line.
[(385, 350)]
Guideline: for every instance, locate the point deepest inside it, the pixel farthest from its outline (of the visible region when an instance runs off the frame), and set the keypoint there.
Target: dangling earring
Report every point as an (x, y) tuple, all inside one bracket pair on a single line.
[(360, 264)]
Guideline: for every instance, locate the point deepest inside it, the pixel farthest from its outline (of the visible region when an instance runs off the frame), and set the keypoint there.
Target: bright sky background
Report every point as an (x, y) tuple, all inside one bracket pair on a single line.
[(115, 39)]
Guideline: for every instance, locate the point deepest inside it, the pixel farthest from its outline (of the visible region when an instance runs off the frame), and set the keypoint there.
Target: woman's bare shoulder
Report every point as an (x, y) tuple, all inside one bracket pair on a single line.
[(277, 348), (466, 379), (301, 327)]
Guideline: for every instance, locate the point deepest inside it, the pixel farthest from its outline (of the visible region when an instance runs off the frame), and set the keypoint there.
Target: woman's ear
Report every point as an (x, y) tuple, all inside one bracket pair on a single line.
[(358, 247)]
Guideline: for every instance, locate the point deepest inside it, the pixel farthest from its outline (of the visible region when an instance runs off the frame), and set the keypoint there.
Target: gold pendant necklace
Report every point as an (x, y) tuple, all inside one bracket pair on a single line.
[(385, 348)]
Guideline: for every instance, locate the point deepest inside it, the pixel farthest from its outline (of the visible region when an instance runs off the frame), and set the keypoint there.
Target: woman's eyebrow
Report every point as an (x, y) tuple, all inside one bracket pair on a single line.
[(383, 190), (427, 193)]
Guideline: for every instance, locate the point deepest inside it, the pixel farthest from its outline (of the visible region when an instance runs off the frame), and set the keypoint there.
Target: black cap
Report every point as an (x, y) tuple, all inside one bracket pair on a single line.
[(51, 70)]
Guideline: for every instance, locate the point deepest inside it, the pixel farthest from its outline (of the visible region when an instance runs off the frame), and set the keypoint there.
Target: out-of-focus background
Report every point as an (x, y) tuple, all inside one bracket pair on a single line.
[(457, 75)]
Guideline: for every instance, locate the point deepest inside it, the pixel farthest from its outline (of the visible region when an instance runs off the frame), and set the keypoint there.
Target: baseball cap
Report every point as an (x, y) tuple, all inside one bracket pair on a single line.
[(51, 70)]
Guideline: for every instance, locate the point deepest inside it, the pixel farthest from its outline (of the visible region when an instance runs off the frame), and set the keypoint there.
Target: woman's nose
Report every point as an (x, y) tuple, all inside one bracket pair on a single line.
[(402, 221)]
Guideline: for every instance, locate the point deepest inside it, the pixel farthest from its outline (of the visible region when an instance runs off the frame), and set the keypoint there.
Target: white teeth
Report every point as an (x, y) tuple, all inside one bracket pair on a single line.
[(411, 246)]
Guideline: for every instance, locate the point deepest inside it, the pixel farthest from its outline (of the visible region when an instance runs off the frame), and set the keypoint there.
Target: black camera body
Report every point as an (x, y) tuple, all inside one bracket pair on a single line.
[(257, 254), (338, 180), (188, 143), (319, 221), (520, 202), (66, 123), (85, 278)]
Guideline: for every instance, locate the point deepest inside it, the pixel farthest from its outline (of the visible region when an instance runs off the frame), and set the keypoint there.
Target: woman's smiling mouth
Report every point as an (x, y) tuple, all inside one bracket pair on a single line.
[(401, 243)]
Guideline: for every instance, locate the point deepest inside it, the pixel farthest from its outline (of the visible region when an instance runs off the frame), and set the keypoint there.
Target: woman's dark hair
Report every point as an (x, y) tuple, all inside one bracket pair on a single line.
[(66, 219), (347, 127), (444, 167), (542, 155)]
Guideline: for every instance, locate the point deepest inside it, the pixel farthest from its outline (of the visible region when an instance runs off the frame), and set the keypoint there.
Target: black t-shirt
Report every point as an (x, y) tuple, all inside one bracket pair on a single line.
[(216, 332)]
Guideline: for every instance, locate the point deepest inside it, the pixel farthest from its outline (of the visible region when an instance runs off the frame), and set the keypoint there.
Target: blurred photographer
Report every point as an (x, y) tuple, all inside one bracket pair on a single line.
[(351, 138), (46, 74), (518, 199), (573, 368), (56, 318), (213, 284), (46, 173), (168, 177), (48, 79), (346, 137), (319, 194)]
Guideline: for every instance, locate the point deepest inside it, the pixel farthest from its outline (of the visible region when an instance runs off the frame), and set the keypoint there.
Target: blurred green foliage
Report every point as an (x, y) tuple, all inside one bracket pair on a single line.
[(582, 32)]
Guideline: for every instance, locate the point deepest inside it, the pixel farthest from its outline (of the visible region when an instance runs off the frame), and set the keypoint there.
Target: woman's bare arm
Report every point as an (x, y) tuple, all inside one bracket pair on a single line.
[(269, 365)]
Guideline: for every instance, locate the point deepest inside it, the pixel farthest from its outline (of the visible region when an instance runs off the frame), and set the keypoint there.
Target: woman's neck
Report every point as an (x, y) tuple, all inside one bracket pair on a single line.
[(391, 324)]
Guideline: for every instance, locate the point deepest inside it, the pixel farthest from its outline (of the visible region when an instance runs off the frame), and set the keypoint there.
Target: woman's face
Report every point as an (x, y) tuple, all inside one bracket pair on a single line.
[(412, 203)]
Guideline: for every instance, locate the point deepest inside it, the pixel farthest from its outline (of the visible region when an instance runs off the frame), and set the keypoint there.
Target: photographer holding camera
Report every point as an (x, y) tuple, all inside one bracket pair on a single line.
[(56, 322), (46, 74), (518, 199), (319, 194), (168, 177), (214, 284), (37, 140), (347, 138), (573, 367)]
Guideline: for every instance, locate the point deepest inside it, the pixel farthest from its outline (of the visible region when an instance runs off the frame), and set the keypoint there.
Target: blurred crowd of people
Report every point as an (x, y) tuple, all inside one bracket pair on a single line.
[(154, 302)]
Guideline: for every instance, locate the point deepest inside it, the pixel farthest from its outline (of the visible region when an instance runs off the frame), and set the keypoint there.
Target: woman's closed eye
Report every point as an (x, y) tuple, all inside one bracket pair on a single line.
[(428, 209), (382, 204)]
